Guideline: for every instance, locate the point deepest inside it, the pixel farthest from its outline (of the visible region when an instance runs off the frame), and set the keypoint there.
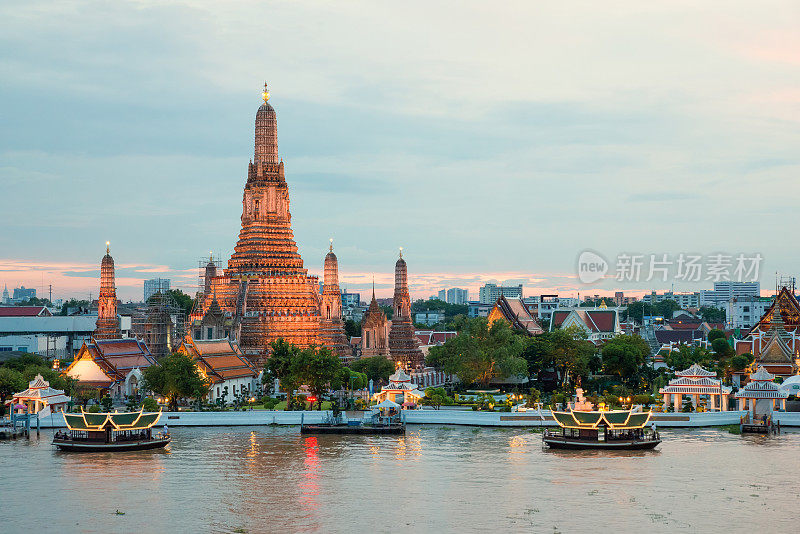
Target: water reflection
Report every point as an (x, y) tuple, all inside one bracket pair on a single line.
[(439, 478)]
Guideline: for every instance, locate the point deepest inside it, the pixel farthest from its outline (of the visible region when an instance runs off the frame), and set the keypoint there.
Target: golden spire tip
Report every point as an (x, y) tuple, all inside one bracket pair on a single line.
[(108, 243), (265, 93)]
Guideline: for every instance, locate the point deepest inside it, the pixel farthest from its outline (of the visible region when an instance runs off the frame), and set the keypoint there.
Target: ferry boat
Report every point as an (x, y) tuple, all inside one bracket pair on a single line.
[(611, 430), (106, 432)]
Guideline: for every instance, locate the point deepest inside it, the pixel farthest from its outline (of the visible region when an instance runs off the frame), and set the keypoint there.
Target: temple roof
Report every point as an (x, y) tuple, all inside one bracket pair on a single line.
[(614, 420), (40, 389), (696, 371), (116, 421), (761, 386), (115, 358), (219, 359)]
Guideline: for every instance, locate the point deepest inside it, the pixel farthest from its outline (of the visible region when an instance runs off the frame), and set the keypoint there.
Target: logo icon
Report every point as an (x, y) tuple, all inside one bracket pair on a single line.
[(591, 267)]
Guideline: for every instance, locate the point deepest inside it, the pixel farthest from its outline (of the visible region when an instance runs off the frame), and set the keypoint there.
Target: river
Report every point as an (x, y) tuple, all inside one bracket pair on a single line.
[(435, 479)]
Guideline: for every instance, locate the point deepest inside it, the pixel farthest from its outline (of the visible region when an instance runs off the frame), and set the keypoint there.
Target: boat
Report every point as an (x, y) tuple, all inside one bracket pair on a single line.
[(604, 430), (110, 432), (385, 419)]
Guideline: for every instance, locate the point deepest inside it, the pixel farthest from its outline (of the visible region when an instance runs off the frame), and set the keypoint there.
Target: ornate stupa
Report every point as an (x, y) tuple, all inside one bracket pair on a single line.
[(331, 323), (107, 324), (265, 288), (374, 330), (403, 343)]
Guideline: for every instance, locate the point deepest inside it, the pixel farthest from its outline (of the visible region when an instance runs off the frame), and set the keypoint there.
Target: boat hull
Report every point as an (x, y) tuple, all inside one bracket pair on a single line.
[(88, 446), (356, 430), (617, 445)]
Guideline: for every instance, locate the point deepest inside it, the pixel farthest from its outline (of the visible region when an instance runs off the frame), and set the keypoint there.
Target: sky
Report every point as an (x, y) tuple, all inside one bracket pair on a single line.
[(493, 141)]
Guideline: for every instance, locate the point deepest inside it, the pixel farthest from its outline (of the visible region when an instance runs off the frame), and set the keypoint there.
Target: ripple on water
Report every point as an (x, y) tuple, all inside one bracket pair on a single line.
[(433, 478)]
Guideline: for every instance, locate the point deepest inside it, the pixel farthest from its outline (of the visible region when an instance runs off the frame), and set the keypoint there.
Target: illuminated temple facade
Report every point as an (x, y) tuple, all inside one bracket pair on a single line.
[(107, 326), (265, 289)]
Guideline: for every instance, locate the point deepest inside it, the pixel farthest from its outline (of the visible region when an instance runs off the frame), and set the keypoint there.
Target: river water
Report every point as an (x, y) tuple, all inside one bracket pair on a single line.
[(435, 479)]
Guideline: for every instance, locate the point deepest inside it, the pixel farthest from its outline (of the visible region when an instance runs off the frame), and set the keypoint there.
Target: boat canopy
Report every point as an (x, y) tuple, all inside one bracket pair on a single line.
[(614, 420), (117, 420)]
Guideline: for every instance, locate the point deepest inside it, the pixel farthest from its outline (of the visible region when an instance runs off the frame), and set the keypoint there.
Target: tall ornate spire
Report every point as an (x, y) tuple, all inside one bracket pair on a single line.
[(403, 343), (331, 325), (107, 326), (266, 140)]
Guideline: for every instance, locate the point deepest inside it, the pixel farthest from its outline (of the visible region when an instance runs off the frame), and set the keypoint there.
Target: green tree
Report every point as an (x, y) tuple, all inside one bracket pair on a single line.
[(280, 366), (376, 368), (352, 328), (481, 353), (740, 362), (73, 303), (624, 355), (712, 314), (175, 377), (11, 381), (666, 307), (721, 348), (184, 301), (686, 355), (436, 397), (318, 368), (715, 333), (567, 351)]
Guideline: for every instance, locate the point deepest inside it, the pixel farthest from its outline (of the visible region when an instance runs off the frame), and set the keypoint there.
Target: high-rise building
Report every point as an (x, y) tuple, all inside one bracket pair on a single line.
[(6, 297), (331, 324), (489, 293), (156, 285), (457, 295), (23, 293), (107, 322), (403, 343), (265, 288), (726, 290), (442, 295)]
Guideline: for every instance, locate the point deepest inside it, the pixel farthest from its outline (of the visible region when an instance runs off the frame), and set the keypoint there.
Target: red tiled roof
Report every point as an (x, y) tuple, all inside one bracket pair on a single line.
[(558, 317), (24, 311)]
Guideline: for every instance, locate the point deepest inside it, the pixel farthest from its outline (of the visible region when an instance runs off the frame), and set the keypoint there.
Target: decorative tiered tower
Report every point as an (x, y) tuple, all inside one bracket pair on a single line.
[(107, 325), (265, 287), (374, 330), (331, 324), (403, 343)]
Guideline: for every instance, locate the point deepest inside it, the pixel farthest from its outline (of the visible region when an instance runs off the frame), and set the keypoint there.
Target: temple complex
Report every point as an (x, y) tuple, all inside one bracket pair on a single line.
[(107, 322), (374, 330), (514, 312), (773, 341), (403, 343), (331, 324), (265, 289)]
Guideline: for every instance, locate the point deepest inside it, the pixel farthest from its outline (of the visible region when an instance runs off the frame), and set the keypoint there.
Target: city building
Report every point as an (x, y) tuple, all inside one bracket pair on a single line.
[(429, 317), (542, 306), (600, 324), (6, 297), (107, 321), (231, 374), (457, 295), (726, 290), (112, 365), (684, 300), (350, 300), (478, 309), (265, 288), (154, 286), (744, 312), (442, 295), (621, 300), (23, 293), (331, 322), (403, 344), (489, 293)]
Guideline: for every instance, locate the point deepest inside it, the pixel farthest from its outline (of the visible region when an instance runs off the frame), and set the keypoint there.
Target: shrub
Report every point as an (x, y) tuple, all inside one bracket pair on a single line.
[(150, 405), (94, 408), (270, 403)]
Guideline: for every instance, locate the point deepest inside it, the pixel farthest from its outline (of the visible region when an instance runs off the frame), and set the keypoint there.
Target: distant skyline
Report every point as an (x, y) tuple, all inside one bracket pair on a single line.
[(494, 145)]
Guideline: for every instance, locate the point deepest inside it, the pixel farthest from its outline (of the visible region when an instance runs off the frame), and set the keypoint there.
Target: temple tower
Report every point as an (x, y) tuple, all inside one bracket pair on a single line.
[(107, 324), (374, 330), (265, 288), (403, 343), (331, 324)]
